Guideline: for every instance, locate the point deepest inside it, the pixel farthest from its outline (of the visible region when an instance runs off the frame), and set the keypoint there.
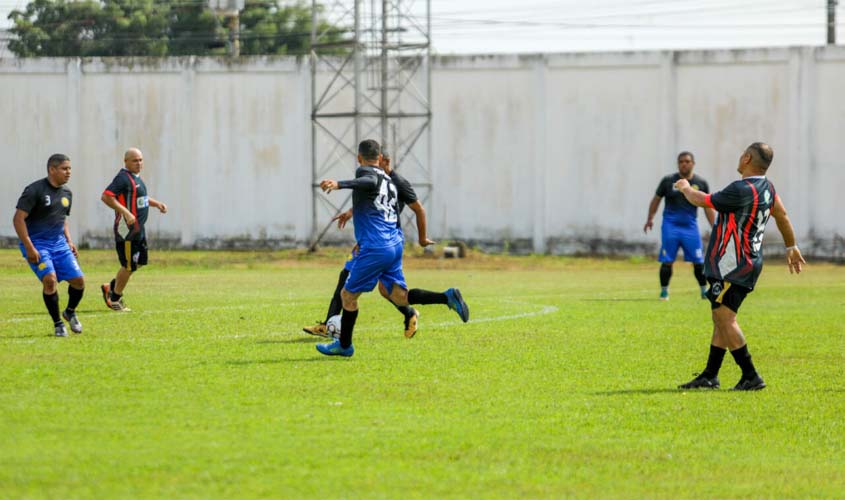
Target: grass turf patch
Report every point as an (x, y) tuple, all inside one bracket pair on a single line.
[(561, 384)]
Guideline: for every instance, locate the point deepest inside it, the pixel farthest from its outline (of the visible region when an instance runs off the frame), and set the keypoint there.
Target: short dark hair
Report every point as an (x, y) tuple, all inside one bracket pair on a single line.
[(56, 160), (686, 153), (369, 149), (761, 155)]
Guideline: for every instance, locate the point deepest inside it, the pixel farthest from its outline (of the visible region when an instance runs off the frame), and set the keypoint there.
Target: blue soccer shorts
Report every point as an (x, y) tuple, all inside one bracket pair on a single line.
[(372, 265), (55, 258), (687, 238), (350, 261)]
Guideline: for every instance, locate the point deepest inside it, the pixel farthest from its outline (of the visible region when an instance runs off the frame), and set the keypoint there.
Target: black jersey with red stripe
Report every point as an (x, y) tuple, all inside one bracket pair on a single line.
[(734, 253), (131, 192)]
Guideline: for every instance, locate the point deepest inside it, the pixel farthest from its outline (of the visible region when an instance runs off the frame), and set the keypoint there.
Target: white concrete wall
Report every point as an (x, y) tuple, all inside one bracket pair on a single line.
[(557, 153)]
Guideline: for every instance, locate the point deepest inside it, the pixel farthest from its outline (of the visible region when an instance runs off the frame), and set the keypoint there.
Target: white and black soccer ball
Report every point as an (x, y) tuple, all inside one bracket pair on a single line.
[(333, 326)]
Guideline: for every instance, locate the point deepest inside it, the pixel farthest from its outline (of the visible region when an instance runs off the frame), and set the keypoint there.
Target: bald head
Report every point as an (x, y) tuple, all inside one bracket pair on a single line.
[(133, 160), (761, 155), (131, 153)]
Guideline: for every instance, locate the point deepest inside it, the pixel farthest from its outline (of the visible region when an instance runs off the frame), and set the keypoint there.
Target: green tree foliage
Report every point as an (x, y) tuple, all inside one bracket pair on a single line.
[(65, 28)]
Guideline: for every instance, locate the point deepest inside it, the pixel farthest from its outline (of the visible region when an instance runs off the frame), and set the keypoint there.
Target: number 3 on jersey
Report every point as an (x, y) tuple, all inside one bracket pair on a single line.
[(385, 202)]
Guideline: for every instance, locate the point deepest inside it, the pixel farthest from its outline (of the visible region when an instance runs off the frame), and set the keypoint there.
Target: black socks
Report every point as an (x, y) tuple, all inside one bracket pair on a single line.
[(52, 303), (407, 311), (114, 296), (74, 297), (714, 361), (418, 296), (336, 305), (698, 271), (743, 359), (347, 324), (665, 274)]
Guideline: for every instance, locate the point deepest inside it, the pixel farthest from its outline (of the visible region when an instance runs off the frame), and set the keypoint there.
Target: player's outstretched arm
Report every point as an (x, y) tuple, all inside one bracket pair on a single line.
[(697, 198), (422, 225), (794, 259), (19, 221), (652, 210)]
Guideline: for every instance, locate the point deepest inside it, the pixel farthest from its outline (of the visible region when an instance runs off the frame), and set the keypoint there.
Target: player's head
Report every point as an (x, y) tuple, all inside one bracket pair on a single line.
[(686, 162), (58, 169), (133, 160), (384, 163), (756, 159), (369, 152)]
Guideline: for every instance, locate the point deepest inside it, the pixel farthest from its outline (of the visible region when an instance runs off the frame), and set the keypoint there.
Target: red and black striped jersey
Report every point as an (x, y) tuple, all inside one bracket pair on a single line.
[(131, 192), (734, 253)]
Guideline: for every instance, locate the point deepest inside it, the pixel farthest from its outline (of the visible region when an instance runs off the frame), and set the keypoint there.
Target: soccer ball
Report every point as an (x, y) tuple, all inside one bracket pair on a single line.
[(333, 326)]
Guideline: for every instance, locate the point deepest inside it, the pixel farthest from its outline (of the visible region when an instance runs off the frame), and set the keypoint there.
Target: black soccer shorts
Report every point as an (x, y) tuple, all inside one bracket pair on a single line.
[(725, 293), (132, 253)]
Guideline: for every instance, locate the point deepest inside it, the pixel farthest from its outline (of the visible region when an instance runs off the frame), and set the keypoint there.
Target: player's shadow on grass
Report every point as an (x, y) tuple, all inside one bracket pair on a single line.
[(645, 392), (248, 362), (297, 340), (618, 300)]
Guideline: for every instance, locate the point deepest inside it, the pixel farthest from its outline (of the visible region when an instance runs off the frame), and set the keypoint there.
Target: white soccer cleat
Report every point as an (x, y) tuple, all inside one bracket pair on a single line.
[(73, 321)]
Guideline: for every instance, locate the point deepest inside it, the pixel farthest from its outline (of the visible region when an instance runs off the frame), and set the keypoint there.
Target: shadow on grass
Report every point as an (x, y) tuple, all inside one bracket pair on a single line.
[(618, 300), (309, 359), (296, 340), (28, 336), (662, 390)]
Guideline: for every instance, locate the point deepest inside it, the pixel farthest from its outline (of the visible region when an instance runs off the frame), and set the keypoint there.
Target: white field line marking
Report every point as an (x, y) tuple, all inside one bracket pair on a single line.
[(545, 309)]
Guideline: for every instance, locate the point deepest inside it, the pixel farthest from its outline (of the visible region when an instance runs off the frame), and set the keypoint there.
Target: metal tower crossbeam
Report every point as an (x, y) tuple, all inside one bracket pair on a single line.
[(370, 78)]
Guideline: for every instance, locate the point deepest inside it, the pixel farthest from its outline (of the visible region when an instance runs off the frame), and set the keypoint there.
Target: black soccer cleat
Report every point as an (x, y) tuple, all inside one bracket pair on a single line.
[(701, 382), (754, 383)]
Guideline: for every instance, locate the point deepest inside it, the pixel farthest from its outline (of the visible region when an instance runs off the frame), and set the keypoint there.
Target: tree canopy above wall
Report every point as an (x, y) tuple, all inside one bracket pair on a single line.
[(63, 28)]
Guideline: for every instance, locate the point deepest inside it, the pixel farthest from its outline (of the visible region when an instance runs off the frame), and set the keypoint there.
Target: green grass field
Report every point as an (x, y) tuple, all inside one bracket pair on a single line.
[(562, 384)]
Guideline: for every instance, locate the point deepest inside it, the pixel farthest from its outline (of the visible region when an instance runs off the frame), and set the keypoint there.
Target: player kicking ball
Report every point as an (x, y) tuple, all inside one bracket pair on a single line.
[(379, 239), (406, 196)]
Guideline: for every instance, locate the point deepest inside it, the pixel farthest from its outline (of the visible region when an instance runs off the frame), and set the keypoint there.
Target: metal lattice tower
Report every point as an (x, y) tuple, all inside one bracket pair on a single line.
[(370, 79)]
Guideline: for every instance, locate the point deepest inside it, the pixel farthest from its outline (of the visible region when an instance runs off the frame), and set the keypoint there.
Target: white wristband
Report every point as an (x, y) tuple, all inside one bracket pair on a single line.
[(793, 247)]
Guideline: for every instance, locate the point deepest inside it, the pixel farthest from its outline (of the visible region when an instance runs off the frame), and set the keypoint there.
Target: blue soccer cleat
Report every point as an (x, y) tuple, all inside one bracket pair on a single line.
[(334, 349), (457, 304), (664, 295)]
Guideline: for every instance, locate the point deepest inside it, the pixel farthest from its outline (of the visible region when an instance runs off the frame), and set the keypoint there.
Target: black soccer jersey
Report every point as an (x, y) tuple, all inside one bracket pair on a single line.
[(734, 252), (47, 207), (405, 194), (131, 192), (678, 211), (373, 208)]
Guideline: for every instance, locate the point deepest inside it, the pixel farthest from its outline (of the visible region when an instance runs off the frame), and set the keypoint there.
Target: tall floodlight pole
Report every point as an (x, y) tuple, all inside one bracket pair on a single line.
[(370, 78), (831, 22)]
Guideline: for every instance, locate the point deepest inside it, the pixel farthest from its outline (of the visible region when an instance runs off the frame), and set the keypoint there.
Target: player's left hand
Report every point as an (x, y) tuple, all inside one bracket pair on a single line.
[(73, 250), (426, 242), (328, 185), (342, 218), (794, 259), (681, 184), (162, 207)]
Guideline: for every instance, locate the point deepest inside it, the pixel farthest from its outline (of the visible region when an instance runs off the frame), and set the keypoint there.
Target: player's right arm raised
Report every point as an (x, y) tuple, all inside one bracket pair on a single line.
[(794, 259)]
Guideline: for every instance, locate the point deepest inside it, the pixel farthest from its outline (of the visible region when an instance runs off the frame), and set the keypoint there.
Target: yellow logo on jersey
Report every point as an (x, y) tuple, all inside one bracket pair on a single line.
[(694, 187), (65, 202), (42, 266)]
